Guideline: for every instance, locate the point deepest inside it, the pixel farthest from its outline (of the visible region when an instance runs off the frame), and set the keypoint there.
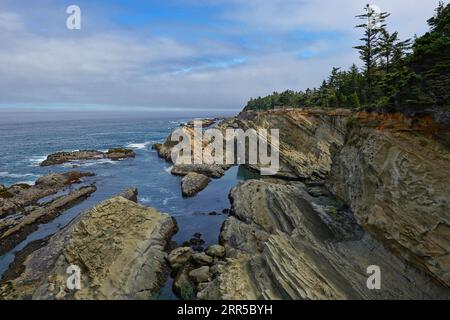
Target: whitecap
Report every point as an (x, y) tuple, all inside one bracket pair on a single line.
[(31, 183), (5, 174), (138, 145), (169, 169), (145, 200), (36, 160)]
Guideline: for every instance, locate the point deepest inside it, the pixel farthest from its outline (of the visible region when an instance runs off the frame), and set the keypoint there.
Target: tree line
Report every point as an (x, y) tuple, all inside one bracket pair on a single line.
[(395, 74)]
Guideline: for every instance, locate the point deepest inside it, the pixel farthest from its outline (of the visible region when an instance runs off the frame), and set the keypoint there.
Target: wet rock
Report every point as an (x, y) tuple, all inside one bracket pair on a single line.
[(130, 194), (216, 250), (200, 275), (210, 170), (196, 242), (226, 211), (63, 157), (119, 247), (183, 286), (202, 259), (193, 183), (179, 257), (18, 229)]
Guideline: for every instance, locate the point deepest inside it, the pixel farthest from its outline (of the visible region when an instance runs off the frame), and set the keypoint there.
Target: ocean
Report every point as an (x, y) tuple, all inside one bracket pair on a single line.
[(26, 138)]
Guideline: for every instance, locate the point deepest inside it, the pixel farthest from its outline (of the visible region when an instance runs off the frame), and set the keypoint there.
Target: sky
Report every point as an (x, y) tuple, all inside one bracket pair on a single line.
[(180, 54)]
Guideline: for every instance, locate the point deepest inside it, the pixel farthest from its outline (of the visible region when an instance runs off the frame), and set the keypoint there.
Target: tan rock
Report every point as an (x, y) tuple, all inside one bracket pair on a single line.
[(119, 247), (193, 183), (179, 257), (395, 175)]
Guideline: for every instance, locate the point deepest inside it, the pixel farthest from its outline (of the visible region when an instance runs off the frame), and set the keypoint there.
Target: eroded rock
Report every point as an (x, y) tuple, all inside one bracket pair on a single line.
[(118, 246), (193, 183), (63, 157)]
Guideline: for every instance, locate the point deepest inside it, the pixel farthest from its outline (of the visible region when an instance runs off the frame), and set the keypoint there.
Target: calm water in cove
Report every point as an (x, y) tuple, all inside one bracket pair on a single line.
[(26, 139)]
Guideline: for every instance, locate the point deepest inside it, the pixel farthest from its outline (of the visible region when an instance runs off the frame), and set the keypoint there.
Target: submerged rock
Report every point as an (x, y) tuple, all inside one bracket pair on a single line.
[(118, 246), (63, 157), (193, 183)]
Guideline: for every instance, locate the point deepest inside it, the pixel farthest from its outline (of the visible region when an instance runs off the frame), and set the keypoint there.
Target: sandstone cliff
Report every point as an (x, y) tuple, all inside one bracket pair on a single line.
[(386, 204), (118, 245)]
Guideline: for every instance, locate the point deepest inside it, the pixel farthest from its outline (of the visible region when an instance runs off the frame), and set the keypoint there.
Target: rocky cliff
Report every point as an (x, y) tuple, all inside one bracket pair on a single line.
[(374, 192)]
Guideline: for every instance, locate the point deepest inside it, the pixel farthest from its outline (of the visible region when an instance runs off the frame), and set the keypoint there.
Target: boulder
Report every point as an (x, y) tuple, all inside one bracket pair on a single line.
[(202, 258), (130, 194), (200, 275), (193, 183), (118, 247), (216, 251), (179, 257), (183, 286)]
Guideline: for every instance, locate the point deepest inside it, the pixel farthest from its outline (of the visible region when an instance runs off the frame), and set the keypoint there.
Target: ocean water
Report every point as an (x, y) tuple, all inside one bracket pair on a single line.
[(26, 138)]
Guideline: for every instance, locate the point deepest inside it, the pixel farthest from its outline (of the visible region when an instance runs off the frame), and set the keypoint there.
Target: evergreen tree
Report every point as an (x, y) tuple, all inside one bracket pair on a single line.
[(369, 50)]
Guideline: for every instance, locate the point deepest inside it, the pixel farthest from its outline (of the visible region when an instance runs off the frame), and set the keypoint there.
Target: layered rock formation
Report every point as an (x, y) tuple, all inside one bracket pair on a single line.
[(118, 246), (24, 207), (394, 172), (63, 157), (282, 243), (293, 240)]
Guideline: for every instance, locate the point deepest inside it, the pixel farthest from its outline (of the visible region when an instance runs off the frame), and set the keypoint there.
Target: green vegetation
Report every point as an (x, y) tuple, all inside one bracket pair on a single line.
[(395, 75)]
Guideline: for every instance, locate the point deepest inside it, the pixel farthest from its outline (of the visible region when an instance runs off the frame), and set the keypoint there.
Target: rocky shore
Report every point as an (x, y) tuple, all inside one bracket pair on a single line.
[(118, 245), (350, 194), (64, 157), (24, 207), (354, 190)]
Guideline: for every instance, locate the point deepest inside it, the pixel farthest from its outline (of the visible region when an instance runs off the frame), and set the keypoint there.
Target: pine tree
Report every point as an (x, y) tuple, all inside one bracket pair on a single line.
[(374, 24)]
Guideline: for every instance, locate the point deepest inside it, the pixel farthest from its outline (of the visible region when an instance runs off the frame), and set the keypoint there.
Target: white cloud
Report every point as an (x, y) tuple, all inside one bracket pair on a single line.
[(121, 68)]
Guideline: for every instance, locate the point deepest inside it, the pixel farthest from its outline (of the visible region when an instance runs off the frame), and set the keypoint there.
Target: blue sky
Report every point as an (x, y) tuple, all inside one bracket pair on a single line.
[(206, 54)]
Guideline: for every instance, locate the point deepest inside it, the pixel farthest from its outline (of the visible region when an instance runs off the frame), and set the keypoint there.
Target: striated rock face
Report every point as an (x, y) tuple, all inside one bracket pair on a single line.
[(193, 183), (17, 197), (282, 243), (63, 157), (394, 172), (307, 138), (14, 229), (212, 171), (118, 246)]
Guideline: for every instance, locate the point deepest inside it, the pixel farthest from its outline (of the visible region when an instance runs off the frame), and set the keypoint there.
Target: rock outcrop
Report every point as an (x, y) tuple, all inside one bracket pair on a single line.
[(282, 243), (64, 157), (193, 183), (212, 171), (307, 139), (118, 246), (394, 172), (24, 207)]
